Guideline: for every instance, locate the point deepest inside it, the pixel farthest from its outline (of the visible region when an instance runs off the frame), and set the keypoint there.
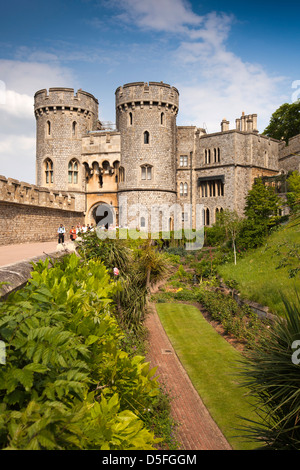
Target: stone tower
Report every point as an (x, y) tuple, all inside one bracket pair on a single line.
[(146, 118), (62, 118)]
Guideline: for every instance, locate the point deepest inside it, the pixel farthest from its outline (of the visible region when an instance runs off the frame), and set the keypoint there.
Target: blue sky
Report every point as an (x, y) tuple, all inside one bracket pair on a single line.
[(224, 58)]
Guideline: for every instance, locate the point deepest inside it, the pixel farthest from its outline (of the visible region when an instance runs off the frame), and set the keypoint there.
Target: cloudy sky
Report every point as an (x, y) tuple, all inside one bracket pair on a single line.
[(224, 58)]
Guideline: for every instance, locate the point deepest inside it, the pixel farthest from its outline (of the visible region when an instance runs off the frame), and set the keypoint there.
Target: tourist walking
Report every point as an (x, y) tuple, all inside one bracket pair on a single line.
[(61, 233)]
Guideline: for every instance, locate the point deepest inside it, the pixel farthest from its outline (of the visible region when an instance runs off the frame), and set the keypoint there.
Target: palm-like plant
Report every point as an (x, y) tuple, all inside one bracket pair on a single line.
[(271, 373)]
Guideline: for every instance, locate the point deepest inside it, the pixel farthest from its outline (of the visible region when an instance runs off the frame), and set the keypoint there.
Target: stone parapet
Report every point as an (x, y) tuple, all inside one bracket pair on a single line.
[(139, 93), (64, 98), (19, 192)]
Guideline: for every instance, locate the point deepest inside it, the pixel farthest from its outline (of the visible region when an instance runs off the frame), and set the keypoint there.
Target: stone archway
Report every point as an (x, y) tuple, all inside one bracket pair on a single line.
[(104, 215)]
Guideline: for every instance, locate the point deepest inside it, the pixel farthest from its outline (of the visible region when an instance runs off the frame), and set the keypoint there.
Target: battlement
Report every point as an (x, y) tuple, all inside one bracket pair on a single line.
[(143, 93), (19, 192), (64, 99)]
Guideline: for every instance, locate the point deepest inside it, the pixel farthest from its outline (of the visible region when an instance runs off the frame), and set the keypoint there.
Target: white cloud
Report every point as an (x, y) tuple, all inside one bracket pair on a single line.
[(17, 157), (159, 15), (213, 82)]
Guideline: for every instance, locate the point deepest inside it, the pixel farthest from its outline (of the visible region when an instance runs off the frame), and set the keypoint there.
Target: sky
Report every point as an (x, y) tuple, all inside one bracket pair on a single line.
[(223, 57)]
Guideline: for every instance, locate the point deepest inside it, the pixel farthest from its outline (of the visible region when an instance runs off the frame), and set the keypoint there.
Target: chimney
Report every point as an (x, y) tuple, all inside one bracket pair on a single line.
[(224, 125)]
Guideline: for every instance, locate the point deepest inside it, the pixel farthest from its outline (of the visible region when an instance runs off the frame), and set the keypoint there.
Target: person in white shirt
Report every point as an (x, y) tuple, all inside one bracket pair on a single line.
[(61, 233)]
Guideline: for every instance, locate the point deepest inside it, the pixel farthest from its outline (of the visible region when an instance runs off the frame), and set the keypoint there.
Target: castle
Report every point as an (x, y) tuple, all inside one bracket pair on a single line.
[(146, 158)]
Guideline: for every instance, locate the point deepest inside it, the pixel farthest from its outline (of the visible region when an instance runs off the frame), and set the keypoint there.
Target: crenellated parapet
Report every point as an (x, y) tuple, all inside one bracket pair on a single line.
[(65, 100), (19, 192), (140, 94)]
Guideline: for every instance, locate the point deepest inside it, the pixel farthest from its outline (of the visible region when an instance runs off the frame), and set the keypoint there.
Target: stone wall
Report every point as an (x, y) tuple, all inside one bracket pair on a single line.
[(289, 155), (32, 214)]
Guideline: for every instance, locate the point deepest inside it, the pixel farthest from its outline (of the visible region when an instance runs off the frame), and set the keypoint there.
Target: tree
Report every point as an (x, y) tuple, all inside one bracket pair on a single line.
[(262, 204), (232, 224), (284, 122)]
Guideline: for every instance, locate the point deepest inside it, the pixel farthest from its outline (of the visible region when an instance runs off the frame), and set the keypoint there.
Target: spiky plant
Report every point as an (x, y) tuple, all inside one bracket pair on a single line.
[(271, 373)]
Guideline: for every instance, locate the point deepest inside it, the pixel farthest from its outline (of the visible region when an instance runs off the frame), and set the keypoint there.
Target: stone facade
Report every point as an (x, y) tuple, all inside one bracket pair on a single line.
[(29, 213), (147, 160)]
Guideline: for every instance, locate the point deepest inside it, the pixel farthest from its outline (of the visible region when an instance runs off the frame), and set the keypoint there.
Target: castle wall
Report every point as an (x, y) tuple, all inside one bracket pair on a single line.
[(32, 214), (289, 155)]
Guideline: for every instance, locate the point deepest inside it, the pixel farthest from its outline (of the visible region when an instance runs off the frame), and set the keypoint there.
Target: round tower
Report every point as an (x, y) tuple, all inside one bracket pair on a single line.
[(62, 117), (146, 118)]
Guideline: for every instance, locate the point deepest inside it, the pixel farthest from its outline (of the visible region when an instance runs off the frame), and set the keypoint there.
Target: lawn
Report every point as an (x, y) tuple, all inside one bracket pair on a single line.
[(256, 273), (211, 363)]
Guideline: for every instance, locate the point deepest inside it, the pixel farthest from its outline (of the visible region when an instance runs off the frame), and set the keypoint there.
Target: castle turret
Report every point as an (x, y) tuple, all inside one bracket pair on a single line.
[(62, 118), (146, 118)]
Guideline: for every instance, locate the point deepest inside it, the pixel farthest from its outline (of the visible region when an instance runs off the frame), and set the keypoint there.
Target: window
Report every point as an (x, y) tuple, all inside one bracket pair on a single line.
[(162, 119), (212, 187), (207, 221), (185, 189), (49, 171), (183, 160), (143, 222), (146, 172), (130, 118), (74, 126), (146, 137), (73, 172), (121, 174), (207, 156), (181, 189), (48, 128)]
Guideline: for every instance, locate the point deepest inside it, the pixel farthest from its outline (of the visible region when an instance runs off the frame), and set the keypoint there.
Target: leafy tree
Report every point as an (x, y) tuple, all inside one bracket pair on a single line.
[(262, 204), (285, 122)]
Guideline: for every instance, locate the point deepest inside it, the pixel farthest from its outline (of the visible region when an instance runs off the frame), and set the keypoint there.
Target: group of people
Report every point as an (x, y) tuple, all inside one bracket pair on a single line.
[(74, 231)]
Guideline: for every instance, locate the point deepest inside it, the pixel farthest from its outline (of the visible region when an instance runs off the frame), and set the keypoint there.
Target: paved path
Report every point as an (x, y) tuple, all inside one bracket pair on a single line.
[(10, 254), (197, 430)]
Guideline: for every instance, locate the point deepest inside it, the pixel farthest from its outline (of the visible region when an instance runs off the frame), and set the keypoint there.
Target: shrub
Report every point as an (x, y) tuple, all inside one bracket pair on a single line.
[(270, 371), (67, 384)]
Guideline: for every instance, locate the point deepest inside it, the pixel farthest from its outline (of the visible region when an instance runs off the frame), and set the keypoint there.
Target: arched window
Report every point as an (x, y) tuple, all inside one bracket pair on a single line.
[(215, 155), (48, 128), (146, 137), (49, 171), (74, 128), (143, 222), (219, 155), (207, 221), (121, 174), (181, 189), (185, 189), (73, 172), (146, 172)]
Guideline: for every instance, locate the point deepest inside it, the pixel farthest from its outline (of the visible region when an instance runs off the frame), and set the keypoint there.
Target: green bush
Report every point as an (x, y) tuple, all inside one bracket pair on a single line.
[(67, 384)]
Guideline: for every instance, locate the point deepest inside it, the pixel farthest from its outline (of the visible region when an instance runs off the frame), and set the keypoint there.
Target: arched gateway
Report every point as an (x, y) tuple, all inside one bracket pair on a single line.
[(104, 215)]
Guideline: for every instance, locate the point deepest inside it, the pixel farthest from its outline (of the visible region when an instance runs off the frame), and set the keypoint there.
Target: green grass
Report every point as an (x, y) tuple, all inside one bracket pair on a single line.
[(211, 363), (256, 274)]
